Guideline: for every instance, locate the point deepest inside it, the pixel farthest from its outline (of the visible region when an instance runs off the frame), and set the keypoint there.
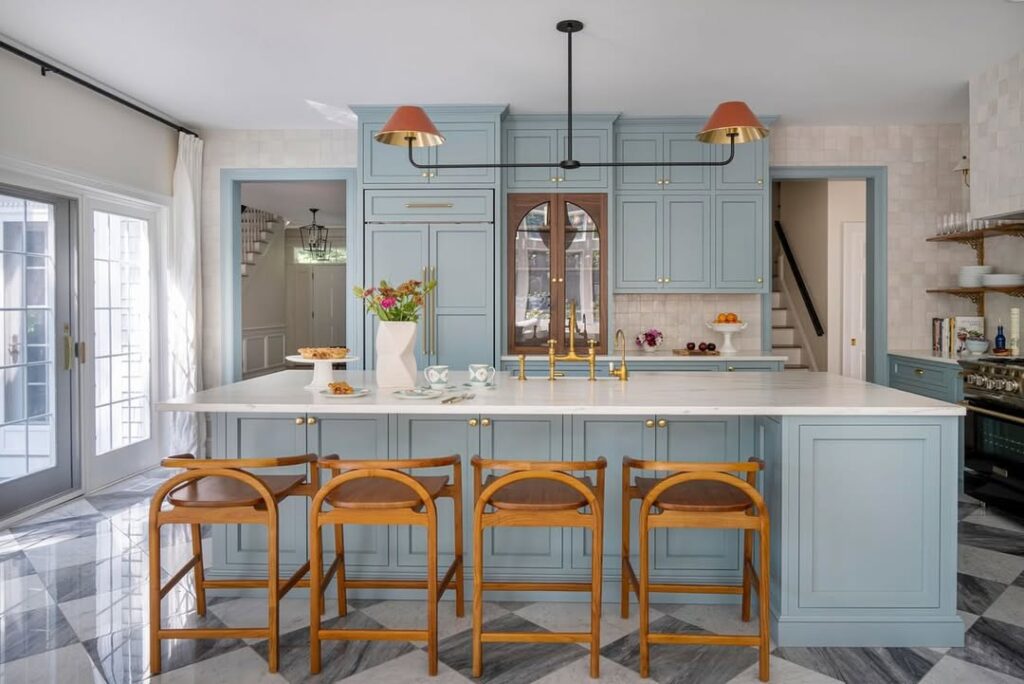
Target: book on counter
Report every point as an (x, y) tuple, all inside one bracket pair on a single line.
[(949, 335)]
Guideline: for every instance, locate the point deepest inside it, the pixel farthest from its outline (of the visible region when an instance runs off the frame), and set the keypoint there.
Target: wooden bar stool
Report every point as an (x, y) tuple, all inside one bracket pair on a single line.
[(537, 494), (223, 491), (378, 493), (698, 495)]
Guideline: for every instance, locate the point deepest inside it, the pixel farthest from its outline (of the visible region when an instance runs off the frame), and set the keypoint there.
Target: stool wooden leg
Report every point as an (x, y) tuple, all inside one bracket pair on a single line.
[(478, 594), (460, 570), (596, 579), (748, 559), (762, 600), (154, 594), (339, 550), (273, 585), (197, 550), (316, 592), (432, 598), (624, 563), (645, 598)]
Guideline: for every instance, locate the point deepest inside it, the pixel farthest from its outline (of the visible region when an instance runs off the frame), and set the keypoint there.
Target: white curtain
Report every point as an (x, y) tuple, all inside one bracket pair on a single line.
[(183, 288)]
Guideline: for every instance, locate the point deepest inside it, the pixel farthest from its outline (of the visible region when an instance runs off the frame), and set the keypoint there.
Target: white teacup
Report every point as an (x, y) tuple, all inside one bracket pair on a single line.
[(437, 376), (481, 374)]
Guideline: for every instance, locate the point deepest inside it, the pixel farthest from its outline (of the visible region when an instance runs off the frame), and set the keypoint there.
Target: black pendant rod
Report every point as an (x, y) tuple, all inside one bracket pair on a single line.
[(45, 68)]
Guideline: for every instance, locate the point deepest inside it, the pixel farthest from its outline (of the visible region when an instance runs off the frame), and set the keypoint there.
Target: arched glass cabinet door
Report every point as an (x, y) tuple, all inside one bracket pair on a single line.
[(582, 275), (532, 277)]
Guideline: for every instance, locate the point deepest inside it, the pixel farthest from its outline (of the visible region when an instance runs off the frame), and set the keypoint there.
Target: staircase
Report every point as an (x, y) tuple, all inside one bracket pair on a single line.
[(257, 229), (784, 335)]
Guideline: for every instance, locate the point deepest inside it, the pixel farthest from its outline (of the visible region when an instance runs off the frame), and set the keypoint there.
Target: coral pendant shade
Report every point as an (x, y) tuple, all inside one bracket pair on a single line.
[(407, 123), (732, 117)]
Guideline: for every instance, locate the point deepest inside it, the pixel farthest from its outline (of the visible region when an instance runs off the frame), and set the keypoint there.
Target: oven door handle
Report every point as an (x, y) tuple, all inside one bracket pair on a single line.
[(995, 414)]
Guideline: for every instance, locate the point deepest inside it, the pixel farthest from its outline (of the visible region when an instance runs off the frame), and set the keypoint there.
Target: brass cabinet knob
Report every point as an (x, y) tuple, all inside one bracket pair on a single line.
[(485, 422), (730, 368), (662, 423), (666, 181), (561, 179), (311, 420), (649, 423), (919, 371), (425, 175), (432, 174), (300, 420), (473, 422), (760, 280), (760, 181), (666, 280), (554, 180)]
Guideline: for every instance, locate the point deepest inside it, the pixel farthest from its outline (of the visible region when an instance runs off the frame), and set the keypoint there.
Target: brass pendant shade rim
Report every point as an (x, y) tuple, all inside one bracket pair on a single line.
[(744, 134), (402, 138)]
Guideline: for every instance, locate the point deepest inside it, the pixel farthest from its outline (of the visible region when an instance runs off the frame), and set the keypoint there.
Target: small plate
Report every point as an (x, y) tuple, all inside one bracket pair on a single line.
[(356, 393), (417, 393), (489, 385)]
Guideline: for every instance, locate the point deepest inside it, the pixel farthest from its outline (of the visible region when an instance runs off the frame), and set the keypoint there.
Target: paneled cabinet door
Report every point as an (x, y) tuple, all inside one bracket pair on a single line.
[(390, 163), (461, 316), (747, 171), (684, 147), (464, 143), (535, 146), (395, 252), (740, 236), (587, 146), (510, 550), (638, 257), (613, 438), (250, 435), (428, 437), (686, 240), (698, 555), (633, 147), (352, 437)]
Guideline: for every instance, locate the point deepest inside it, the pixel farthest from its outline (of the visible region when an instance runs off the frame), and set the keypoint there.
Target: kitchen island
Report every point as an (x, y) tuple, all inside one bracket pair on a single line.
[(860, 482)]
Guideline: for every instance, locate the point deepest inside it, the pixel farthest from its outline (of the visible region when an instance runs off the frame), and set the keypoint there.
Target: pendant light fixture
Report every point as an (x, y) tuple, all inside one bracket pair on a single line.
[(314, 238), (731, 123)]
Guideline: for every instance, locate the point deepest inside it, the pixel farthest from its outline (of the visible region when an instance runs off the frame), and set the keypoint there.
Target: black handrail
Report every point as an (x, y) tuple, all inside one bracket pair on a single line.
[(804, 294)]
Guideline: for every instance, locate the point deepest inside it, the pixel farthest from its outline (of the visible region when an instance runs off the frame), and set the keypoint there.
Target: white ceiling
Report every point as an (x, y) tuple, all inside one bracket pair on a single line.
[(293, 199), (254, 63)]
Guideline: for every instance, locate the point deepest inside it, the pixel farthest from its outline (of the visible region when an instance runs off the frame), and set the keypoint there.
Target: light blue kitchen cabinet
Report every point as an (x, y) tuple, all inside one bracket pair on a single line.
[(936, 379), (683, 146), (639, 146), (457, 325), (663, 243), (588, 145), (665, 143), (533, 145), (427, 205), (747, 171), (544, 140), (380, 163), (741, 231), (255, 435)]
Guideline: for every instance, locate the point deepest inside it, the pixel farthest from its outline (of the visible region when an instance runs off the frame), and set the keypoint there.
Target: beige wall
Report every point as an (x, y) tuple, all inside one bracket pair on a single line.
[(997, 139), (244, 149), (921, 188), (53, 122), (802, 208), (847, 203)]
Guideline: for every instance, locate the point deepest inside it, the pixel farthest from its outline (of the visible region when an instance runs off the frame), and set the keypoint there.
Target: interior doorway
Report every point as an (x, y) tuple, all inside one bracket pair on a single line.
[(292, 295), (819, 267)]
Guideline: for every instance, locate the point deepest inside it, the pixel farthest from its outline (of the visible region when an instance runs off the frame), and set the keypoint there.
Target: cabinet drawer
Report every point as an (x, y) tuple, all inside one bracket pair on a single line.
[(909, 372), (429, 205)]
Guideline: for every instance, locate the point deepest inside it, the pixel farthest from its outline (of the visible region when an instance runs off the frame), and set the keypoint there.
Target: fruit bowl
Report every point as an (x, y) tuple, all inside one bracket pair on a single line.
[(727, 330)]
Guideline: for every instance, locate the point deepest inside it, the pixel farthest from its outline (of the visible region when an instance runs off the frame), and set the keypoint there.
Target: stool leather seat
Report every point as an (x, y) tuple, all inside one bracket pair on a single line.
[(538, 495), (377, 493), (698, 496), (222, 492)]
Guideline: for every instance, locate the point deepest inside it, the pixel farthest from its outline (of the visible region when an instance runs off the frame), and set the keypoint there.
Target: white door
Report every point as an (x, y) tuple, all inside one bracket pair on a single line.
[(853, 298), (119, 312)]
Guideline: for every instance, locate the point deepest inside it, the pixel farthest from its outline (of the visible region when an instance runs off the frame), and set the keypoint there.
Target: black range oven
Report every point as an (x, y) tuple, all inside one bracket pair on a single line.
[(994, 431)]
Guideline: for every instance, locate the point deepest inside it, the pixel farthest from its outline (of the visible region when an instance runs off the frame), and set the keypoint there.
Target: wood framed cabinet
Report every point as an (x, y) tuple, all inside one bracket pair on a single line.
[(556, 249)]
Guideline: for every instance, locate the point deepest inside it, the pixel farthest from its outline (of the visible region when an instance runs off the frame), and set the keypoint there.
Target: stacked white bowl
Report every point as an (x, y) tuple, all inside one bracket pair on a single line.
[(972, 276), (1002, 280)]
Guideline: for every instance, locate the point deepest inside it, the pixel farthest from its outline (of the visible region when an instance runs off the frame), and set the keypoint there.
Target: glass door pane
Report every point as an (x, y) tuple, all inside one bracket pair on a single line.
[(35, 397), (532, 279), (582, 275)]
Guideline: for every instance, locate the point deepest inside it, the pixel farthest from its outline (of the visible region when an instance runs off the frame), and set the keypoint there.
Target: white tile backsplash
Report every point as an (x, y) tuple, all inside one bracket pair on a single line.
[(681, 318)]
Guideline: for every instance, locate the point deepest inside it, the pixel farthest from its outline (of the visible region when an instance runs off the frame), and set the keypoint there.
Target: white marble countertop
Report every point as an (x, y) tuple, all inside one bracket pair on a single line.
[(929, 355), (646, 393), (665, 355)]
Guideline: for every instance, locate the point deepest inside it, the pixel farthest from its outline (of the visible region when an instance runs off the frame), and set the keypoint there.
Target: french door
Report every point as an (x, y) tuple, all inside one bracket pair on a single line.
[(38, 454)]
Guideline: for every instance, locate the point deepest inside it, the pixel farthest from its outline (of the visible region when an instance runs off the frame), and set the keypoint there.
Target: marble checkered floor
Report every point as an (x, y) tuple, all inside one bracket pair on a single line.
[(73, 610)]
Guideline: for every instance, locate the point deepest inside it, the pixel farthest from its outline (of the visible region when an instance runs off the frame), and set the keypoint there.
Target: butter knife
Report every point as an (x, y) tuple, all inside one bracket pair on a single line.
[(457, 398)]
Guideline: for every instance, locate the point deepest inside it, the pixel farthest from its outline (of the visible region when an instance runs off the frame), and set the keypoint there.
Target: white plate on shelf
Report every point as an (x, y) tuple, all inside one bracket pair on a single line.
[(356, 393), (969, 280), (417, 393), (1002, 279)]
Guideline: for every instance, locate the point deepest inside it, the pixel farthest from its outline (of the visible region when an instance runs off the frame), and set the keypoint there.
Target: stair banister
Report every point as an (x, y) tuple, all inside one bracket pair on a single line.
[(799, 278)]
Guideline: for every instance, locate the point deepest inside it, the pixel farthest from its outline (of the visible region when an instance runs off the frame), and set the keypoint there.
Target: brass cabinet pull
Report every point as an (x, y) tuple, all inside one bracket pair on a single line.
[(485, 422), (730, 368), (69, 347), (919, 371), (649, 423), (433, 312), (473, 422), (662, 423), (426, 316), (300, 420), (429, 205), (311, 420)]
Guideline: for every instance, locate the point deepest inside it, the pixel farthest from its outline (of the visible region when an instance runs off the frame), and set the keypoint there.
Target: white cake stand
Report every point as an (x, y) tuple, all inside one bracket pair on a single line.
[(727, 330), (323, 369)]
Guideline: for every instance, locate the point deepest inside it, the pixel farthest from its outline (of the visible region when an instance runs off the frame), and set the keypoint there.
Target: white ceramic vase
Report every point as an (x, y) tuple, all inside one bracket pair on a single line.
[(396, 358)]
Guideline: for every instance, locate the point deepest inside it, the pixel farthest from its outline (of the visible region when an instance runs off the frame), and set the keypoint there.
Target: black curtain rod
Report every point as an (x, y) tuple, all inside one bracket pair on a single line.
[(46, 67)]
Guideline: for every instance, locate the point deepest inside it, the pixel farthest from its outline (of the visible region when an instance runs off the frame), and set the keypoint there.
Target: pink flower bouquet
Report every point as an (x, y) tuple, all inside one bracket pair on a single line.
[(400, 303)]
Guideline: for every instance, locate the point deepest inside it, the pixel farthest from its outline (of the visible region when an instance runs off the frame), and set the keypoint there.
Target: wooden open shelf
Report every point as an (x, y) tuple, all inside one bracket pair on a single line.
[(975, 239), (975, 235)]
